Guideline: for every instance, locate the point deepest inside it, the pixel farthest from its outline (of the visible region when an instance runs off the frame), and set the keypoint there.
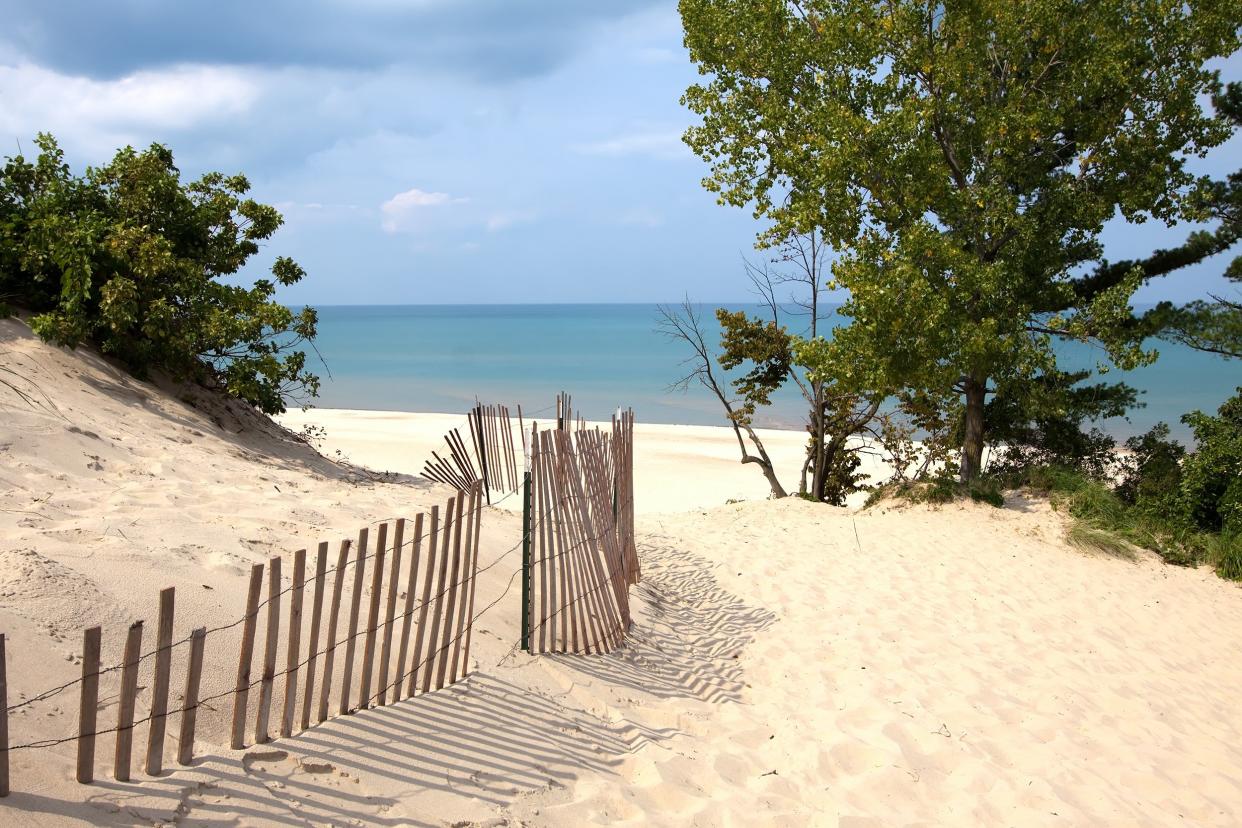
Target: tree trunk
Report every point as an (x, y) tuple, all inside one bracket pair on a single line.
[(972, 439), (769, 473), (762, 460), (778, 491), (817, 467)]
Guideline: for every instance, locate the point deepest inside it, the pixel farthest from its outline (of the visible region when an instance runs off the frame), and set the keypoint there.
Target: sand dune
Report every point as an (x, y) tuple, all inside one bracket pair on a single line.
[(790, 664)]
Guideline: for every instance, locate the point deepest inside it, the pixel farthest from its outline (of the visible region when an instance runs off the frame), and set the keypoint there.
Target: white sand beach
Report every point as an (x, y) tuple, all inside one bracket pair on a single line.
[(683, 466), (790, 663)]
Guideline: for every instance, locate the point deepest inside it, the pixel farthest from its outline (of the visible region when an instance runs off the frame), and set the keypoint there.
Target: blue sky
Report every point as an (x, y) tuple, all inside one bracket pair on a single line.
[(426, 151)]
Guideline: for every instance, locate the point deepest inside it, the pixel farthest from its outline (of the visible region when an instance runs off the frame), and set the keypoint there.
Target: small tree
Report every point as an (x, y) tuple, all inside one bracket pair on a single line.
[(686, 324), (131, 259), (963, 160), (768, 353), (837, 414)]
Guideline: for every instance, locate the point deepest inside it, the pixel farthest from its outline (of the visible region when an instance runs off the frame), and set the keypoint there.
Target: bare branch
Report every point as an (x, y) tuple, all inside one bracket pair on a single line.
[(685, 324)]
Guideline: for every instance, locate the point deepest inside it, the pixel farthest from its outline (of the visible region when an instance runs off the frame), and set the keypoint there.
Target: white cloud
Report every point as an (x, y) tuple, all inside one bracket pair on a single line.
[(399, 211), (657, 144), (99, 115), (500, 221)]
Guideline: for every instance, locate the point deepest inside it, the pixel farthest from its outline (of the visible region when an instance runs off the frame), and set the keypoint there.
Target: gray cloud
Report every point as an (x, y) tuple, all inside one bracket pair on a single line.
[(489, 40)]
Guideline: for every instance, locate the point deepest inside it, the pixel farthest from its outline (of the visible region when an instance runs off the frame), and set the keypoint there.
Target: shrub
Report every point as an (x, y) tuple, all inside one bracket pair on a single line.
[(987, 490), (1043, 422), (1211, 485), (1049, 479), (131, 259), (941, 487), (1151, 474)]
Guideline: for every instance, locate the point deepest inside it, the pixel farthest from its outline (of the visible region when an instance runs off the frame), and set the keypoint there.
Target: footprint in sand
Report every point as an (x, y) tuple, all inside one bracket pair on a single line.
[(250, 760)]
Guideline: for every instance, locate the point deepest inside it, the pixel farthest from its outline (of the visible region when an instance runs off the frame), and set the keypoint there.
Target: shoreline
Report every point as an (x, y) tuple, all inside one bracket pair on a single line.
[(774, 424)]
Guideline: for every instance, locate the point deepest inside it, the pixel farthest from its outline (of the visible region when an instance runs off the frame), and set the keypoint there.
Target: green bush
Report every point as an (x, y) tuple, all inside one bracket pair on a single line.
[(1211, 484), (940, 488), (987, 490), (133, 260), (1151, 474), (1044, 421)]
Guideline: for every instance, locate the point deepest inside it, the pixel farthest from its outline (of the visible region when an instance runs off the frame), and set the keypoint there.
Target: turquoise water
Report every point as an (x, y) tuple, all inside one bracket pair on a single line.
[(440, 357)]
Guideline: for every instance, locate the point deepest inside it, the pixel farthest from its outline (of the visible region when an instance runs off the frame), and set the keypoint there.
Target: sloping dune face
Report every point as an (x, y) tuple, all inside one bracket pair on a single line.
[(789, 664)]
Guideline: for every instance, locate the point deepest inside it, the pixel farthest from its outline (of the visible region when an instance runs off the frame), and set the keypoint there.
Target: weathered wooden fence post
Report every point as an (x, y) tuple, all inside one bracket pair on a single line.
[(88, 704), (474, 571), (241, 691), (321, 572), (390, 613), (269, 651), (433, 643), (408, 615), (420, 628), (526, 560), (463, 618), (125, 711), (355, 605), (159, 693), (338, 584), (189, 708), (294, 650), (442, 654), (4, 721), (377, 590)]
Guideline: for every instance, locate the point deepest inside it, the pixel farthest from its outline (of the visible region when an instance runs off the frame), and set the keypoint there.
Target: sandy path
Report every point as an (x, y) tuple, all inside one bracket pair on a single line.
[(955, 667)]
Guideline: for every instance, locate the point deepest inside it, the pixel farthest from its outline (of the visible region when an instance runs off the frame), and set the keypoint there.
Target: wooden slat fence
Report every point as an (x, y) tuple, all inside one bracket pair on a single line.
[(447, 554), (491, 458), (583, 555), (580, 529)]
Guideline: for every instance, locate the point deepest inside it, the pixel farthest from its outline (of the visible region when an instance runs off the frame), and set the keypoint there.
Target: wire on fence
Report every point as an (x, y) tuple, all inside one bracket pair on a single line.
[(43, 743), (55, 691), (465, 627)]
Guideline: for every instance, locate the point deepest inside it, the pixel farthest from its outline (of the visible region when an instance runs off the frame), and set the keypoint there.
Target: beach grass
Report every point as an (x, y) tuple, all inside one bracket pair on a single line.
[(1103, 522)]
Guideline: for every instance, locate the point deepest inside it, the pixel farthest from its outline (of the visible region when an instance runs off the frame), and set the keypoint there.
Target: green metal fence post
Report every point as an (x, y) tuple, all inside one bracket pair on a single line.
[(526, 561)]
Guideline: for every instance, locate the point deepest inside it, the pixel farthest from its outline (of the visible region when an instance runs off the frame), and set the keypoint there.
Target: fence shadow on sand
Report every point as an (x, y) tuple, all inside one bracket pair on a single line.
[(688, 643), (481, 738)]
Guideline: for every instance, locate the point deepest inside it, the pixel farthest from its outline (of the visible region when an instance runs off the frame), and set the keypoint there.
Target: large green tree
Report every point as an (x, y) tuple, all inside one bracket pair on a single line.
[(962, 159), (132, 259)]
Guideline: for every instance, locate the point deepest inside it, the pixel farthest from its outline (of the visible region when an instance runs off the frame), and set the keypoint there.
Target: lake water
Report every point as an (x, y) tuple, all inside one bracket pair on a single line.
[(439, 358)]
